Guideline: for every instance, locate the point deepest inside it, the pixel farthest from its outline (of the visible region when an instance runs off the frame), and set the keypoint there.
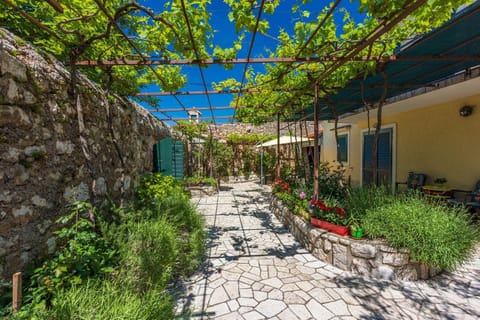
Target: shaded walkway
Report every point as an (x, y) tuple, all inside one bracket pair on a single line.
[(256, 270)]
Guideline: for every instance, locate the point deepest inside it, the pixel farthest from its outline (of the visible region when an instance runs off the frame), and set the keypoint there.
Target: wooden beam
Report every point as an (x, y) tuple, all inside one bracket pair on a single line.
[(16, 292)]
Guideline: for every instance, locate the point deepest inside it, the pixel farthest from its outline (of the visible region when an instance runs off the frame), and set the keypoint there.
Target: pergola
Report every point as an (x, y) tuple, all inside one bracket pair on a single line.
[(415, 65), (431, 55)]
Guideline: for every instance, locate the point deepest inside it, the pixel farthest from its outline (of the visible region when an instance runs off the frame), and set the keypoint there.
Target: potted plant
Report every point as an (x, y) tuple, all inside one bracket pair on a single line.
[(329, 217), (356, 231), (439, 182)]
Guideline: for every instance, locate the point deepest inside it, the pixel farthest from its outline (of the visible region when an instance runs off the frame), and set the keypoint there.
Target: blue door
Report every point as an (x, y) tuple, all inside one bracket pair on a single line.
[(384, 158)]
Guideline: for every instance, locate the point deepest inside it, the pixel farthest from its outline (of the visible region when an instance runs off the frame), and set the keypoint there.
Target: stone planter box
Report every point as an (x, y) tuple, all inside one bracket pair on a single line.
[(360, 256)]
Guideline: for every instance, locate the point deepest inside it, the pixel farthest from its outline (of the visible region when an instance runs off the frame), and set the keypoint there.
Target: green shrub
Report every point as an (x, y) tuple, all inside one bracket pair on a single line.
[(200, 180), (435, 234), (190, 229), (269, 161), (5, 297), (110, 300), (331, 181), (223, 157), (84, 255), (361, 199), (152, 252), (125, 261), (155, 186)]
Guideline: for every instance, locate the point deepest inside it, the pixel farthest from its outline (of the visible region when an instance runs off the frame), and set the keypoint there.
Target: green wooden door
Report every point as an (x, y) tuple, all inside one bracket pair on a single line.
[(177, 161), (168, 158)]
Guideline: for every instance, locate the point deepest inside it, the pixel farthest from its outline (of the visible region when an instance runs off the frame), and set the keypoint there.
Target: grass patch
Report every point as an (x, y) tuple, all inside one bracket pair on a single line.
[(110, 300)]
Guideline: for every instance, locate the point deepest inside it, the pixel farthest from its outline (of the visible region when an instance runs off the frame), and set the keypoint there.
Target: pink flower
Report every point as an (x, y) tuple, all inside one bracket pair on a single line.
[(303, 195)]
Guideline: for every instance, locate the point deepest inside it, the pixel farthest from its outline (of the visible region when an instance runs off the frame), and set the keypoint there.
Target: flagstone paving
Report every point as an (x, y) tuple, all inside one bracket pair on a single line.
[(256, 270)]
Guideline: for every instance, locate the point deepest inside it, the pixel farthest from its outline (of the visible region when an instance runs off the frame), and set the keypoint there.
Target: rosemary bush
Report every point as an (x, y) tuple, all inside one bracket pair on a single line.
[(436, 234)]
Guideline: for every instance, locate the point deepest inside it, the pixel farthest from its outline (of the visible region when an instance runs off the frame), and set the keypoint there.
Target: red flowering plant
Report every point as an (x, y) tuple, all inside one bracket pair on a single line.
[(280, 186), (329, 210)]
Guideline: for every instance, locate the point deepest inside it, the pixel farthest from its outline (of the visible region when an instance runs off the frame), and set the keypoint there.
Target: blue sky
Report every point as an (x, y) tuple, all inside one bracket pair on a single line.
[(224, 34)]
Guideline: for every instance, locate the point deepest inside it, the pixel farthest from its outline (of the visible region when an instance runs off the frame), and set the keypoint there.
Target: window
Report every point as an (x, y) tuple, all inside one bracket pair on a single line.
[(342, 147)]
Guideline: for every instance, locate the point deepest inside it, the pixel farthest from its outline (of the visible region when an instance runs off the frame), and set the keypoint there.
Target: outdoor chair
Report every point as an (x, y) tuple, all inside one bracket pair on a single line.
[(468, 198), (415, 181)]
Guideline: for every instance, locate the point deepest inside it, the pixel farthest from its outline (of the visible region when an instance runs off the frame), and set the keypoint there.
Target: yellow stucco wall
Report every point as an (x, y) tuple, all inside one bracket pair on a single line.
[(434, 140)]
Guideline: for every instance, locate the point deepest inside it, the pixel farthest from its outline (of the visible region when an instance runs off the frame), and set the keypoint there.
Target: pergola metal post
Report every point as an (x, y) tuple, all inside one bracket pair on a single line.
[(262, 175), (277, 169), (315, 144)]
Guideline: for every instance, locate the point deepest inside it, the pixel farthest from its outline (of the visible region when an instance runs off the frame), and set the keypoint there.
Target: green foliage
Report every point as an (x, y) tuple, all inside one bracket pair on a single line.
[(247, 158), (152, 253), (248, 139), (82, 31), (39, 154), (126, 260), (331, 181), (331, 41), (361, 199), (223, 158), (84, 255), (330, 209), (440, 181), (269, 161), (190, 130), (189, 226), (104, 299), (244, 17), (171, 209), (5, 298), (155, 186), (434, 233), (200, 180)]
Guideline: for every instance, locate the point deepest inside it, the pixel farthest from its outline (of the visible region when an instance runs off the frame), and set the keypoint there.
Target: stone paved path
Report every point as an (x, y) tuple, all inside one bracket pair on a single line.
[(256, 270)]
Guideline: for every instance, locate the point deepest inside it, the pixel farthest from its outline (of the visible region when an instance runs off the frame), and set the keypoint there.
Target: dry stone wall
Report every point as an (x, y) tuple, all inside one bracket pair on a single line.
[(55, 149), (364, 257), (270, 128)]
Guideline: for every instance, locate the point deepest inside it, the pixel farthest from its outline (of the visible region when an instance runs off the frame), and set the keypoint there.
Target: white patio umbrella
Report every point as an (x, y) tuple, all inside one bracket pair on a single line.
[(274, 142), (283, 140)]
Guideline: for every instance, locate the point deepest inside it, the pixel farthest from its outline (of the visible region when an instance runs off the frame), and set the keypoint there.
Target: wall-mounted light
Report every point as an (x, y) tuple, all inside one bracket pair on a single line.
[(465, 111)]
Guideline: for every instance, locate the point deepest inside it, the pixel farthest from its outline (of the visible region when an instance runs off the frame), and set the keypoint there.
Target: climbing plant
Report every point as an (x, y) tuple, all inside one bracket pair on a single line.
[(103, 30)]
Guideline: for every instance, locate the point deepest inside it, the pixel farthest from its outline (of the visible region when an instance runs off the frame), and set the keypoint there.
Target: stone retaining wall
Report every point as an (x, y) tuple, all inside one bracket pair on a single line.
[(55, 149), (364, 257)]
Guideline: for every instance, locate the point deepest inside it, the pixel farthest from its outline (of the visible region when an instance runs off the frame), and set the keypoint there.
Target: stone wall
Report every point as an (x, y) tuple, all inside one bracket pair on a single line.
[(270, 128), (55, 149), (364, 257)]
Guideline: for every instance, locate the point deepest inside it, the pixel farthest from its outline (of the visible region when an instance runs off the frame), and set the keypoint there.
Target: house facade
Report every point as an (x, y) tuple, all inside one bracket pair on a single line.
[(435, 132)]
